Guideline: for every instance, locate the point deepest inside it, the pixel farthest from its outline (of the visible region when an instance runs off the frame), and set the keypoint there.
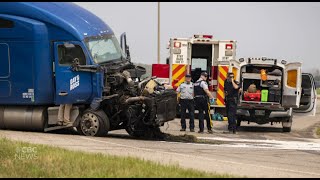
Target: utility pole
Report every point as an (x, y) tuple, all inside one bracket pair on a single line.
[(158, 32)]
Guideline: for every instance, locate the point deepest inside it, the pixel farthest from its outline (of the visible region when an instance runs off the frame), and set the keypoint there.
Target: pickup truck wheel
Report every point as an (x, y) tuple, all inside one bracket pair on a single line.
[(94, 123), (286, 129), (286, 125)]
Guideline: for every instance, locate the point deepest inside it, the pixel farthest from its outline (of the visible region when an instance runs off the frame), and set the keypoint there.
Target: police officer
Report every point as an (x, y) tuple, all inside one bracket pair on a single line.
[(231, 90), (186, 102), (201, 94)]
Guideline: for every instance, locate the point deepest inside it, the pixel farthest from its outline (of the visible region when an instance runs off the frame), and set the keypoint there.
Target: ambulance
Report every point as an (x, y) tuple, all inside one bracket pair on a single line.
[(200, 53)]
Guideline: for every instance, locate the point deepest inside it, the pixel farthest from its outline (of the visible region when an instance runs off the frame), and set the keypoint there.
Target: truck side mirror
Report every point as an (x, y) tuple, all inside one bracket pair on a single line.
[(128, 52), (76, 61), (75, 64), (124, 46)]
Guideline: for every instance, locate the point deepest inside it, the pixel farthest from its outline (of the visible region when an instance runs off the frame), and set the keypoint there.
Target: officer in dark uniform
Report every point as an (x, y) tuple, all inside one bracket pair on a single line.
[(231, 90), (186, 102), (201, 94)]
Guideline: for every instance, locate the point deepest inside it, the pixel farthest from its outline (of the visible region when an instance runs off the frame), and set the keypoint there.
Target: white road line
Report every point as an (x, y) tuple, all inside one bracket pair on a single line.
[(268, 144), (256, 140), (204, 158)]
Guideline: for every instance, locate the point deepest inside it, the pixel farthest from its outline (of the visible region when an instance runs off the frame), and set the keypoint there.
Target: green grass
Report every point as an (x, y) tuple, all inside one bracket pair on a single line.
[(47, 161), (318, 91)]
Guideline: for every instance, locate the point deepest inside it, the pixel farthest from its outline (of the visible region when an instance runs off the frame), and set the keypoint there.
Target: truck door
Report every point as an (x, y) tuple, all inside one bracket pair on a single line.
[(308, 101), (71, 86), (292, 85)]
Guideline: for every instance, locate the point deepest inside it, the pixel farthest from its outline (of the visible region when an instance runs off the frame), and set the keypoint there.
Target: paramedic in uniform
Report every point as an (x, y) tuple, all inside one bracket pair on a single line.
[(201, 94), (231, 91), (186, 102)]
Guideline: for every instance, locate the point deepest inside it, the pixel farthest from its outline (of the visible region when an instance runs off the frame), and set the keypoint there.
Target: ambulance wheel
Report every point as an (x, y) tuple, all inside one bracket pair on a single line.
[(286, 125), (94, 123)]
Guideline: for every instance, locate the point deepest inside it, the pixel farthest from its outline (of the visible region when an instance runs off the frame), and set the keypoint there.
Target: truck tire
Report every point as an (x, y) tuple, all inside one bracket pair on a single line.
[(94, 123), (286, 125), (286, 129)]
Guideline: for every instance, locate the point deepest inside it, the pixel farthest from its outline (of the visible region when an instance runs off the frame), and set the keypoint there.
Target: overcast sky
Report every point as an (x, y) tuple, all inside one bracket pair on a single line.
[(285, 30)]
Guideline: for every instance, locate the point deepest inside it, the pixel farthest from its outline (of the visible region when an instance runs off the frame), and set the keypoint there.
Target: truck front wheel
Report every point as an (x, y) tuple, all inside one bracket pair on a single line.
[(93, 123)]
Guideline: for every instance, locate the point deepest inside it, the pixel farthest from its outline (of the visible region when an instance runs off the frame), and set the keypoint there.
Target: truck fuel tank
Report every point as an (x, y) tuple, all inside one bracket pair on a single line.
[(28, 118)]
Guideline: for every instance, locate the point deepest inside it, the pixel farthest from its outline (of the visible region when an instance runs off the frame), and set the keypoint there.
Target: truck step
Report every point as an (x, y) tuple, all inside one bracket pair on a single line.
[(57, 127)]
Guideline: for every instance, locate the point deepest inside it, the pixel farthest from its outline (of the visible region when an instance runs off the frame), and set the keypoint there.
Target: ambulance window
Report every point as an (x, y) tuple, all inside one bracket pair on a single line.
[(66, 56), (199, 63), (6, 23), (292, 78)]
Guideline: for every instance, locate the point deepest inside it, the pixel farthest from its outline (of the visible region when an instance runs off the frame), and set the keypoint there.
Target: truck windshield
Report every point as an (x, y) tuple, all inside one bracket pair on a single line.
[(104, 48)]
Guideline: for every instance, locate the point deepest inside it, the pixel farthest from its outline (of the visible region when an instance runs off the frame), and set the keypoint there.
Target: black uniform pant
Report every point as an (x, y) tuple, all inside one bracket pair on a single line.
[(231, 107), (203, 107), (187, 104)]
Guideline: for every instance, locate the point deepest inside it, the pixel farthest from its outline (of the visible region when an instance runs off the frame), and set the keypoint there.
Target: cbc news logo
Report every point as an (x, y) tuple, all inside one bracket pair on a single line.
[(26, 153)]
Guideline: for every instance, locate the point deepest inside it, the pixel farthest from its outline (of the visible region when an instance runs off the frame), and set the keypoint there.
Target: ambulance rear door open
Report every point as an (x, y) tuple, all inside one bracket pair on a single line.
[(292, 85), (308, 101), (201, 55)]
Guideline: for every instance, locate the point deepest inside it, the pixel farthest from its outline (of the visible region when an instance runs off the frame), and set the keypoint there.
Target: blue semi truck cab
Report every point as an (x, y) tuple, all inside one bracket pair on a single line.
[(59, 53)]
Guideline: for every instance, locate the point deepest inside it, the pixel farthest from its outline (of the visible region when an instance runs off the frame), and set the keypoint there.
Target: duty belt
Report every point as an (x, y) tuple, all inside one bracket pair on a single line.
[(199, 96)]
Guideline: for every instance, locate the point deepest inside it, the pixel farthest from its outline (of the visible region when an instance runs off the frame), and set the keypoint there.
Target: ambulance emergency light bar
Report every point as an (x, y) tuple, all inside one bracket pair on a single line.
[(177, 44), (229, 46), (203, 36)]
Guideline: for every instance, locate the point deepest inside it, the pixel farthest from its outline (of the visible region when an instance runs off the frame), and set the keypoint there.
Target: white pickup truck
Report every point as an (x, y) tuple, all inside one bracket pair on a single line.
[(286, 89)]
